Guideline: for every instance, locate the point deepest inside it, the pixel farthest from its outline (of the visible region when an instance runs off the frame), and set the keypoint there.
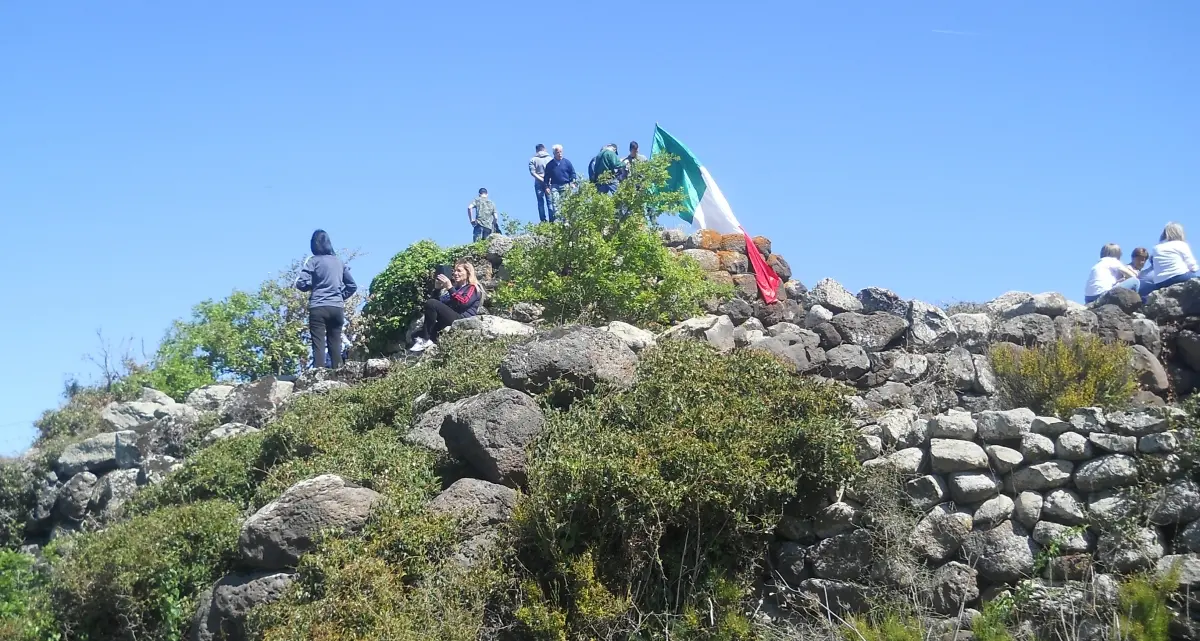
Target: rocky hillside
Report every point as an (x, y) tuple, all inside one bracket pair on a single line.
[(833, 465)]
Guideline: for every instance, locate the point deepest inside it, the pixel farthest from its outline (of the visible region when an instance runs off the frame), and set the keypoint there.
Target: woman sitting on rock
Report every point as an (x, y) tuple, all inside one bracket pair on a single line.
[(328, 281), (1171, 261), (458, 299)]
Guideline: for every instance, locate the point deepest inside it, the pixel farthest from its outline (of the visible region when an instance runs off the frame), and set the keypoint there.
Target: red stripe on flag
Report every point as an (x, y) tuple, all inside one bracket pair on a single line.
[(766, 278)]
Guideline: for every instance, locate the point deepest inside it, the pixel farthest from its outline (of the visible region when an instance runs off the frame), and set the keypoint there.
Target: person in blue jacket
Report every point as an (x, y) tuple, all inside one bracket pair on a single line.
[(329, 283), (458, 298)]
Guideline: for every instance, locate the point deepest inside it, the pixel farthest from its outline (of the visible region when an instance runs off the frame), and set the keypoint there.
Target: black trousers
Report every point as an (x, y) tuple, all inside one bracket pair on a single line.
[(325, 326), (438, 316)]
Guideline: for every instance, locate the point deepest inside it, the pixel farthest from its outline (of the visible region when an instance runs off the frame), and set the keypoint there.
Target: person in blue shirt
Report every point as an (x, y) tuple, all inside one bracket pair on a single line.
[(560, 176), (457, 298), (329, 283)]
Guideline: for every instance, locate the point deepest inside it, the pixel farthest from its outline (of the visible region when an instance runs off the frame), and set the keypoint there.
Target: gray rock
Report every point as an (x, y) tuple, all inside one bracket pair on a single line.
[(1187, 343), (1050, 304), (794, 528), (800, 350), (932, 398), (954, 425), (1160, 468), (490, 327), (1136, 423), (738, 311), (972, 487), (1112, 506), (276, 535), (907, 368), (1148, 335), (585, 357), (795, 290), (926, 492), (1049, 426), (1184, 567), (1036, 448), (1027, 330), (817, 315), (958, 369), (256, 403), (953, 585), (839, 597), (902, 428), (1027, 509), (491, 432), (498, 247), (1004, 459), (867, 447), (890, 395), (939, 535), (1072, 446), (973, 331), (1188, 539), (1006, 425), (1042, 476), (743, 337), (836, 519), (878, 299), (1075, 323), (1161, 443), (209, 397), (1177, 502), (1006, 302), (847, 362), (527, 312), (123, 416), (1063, 506), (377, 367), (785, 328), (930, 329), (481, 508), (994, 510), (1001, 554), (1125, 552), (634, 338), (1068, 539), (1175, 301), (1113, 443), (873, 332), (75, 495), (224, 609), (1126, 299), (985, 376), (714, 330), (1106, 472), (948, 455), (830, 294), (1112, 324), (844, 557), (111, 492), (1150, 372), (426, 431), (707, 259), (1088, 419), (155, 467), (789, 562), (97, 454), (228, 430), (906, 461)]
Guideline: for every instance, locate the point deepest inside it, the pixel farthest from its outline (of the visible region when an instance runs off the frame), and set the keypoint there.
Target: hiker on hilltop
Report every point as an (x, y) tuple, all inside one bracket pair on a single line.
[(560, 176), (1171, 261), (633, 158), (1109, 273), (537, 169), (1139, 262), (608, 162), (484, 219), (459, 297), (328, 281)]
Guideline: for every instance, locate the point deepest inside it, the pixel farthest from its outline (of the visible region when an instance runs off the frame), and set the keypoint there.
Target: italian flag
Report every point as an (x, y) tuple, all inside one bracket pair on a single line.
[(705, 206)]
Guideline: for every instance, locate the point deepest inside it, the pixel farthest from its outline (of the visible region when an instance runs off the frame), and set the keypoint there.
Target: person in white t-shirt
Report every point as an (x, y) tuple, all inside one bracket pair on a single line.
[(1108, 273), (1171, 261)]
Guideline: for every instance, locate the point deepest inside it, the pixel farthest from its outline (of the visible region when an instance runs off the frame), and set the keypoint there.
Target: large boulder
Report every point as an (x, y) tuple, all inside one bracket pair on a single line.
[(491, 432), (1004, 425), (426, 431), (223, 609), (481, 508), (227, 431), (209, 397), (714, 330), (1003, 304), (255, 403), (490, 327), (1113, 324), (635, 338), (953, 585), (800, 349), (939, 535), (1075, 323), (873, 332), (75, 495), (1128, 300), (949, 455), (98, 454), (831, 295), (111, 492), (843, 557), (1174, 302), (276, 535), (1002, 554), (585, 357), (1114, 470), (1150, 372), (1050, 304), (1177, 502), (1125, 552), (974, 330), (123, 416), (847, 362), (878, 299), (1026, 329), (930, 329)]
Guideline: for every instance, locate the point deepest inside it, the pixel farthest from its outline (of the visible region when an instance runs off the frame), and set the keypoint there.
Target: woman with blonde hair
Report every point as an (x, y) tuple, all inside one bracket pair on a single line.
[(1171, 261), (459, 297)]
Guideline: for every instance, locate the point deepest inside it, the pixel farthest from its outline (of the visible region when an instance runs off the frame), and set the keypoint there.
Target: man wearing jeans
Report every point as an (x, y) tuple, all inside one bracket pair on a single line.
[(537, 169), (484, 220), (560, 176)]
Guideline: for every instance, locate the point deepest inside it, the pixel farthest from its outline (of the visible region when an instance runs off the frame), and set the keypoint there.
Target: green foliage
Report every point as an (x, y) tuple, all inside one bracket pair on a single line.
[(891, 626), (1145, 614), (16, 500), (1065, 375), (992, 622), (79, 416), (139, 579), (668, 485), (601, 266), (25, 609), (398, 292)]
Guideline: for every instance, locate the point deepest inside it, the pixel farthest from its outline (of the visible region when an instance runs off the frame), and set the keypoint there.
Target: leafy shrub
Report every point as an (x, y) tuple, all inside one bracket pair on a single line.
[(992, 622), (890, 626), (25, 612), (599, 266), (1145, 614), (1065, 375), (16, 500), (79, 416), (139, 579), (398, 292), (668, 485)]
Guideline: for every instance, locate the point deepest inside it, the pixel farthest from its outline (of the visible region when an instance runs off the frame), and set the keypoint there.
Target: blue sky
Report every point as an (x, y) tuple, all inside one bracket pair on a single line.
[(156, 154)]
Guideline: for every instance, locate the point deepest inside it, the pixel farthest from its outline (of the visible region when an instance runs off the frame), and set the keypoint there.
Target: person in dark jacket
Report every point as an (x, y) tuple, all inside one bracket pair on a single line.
[(607, 162), (560, 176), (457, 299), (329, 283)]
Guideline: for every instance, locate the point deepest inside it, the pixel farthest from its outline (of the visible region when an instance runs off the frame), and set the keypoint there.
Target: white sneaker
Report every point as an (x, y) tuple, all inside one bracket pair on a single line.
[(422, 344)]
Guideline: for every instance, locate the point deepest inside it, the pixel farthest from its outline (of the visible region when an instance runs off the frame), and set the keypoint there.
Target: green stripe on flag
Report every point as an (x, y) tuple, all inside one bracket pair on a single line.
[(684, 172)]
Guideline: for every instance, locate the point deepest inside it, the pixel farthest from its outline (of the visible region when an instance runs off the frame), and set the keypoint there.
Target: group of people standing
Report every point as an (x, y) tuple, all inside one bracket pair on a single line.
[(1169, 262), (554, 176)]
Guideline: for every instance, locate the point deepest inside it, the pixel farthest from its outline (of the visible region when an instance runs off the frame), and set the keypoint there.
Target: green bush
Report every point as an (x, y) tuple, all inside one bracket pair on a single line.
[(992, 622), (139, 579), (597, 267), (79, 415), (398, 292), (668, 486), (1145, 614), (1065, 375), (890, 626), (25, 608), (16, 500)]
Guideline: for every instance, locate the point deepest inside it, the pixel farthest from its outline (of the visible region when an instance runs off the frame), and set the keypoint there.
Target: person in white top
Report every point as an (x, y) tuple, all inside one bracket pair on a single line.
[(1171, 261), (1108, 273)]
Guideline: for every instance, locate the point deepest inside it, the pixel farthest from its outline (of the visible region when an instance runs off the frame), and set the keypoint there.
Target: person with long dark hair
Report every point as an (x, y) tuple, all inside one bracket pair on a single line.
[(459, 297), (329, 283)]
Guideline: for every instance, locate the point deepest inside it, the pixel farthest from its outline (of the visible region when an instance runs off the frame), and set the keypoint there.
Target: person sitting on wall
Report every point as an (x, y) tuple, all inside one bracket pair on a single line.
[(1171, 261), (1108, 273), (458, 298), (1139, 261)]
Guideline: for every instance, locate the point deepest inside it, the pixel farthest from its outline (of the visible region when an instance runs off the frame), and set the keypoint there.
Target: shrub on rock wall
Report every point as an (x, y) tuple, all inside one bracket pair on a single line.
[(602, 267), (25, 612), (667, 486), (1060, 377)]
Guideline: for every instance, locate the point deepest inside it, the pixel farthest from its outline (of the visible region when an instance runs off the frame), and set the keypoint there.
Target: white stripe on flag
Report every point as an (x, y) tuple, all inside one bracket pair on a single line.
[(713, 211)]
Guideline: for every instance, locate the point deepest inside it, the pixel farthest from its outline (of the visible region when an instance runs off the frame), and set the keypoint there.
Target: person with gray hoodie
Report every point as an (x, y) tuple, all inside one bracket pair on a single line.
[(537, 169), (329, 283)]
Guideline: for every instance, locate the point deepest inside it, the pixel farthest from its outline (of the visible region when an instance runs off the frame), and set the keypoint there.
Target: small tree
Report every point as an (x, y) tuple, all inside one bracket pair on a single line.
[(1062, 376)]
